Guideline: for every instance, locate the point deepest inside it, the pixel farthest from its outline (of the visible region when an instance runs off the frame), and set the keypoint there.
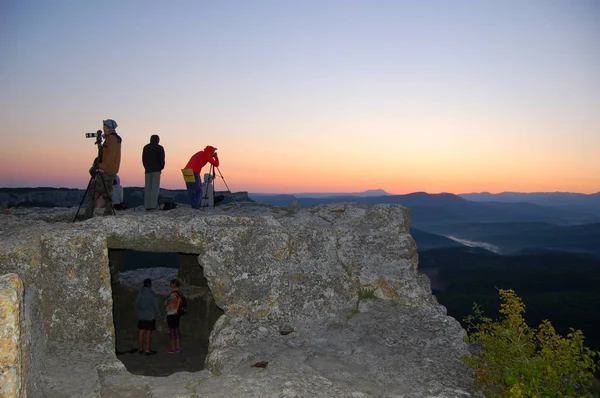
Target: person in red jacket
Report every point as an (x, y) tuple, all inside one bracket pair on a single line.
[(191, 173)]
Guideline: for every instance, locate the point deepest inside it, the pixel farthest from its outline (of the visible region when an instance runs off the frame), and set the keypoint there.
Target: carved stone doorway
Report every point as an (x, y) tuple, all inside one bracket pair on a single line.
[(128, 270)]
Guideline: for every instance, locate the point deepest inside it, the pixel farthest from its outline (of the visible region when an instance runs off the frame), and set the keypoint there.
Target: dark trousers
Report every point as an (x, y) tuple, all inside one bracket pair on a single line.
[(194, 190)]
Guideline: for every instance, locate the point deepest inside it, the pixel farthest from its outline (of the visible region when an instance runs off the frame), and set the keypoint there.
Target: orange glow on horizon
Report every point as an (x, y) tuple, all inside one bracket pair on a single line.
[(399, 166), (300, 178)]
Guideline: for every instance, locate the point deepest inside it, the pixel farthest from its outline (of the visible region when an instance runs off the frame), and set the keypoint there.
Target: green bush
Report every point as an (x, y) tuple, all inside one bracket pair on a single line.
[(518, 361)]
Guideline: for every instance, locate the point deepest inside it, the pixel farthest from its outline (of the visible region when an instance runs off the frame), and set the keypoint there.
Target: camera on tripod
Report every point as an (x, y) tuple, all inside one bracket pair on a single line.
[(94, 135)]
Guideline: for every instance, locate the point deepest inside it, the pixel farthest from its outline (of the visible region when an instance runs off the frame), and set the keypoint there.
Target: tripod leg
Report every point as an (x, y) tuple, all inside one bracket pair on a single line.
[(213, 190), (91, 205), (213, 185), (83, 198), (227, 186)]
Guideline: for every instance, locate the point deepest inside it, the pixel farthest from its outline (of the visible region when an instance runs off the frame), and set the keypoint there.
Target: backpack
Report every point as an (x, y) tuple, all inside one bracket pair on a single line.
[(183, 305), (169, 204)]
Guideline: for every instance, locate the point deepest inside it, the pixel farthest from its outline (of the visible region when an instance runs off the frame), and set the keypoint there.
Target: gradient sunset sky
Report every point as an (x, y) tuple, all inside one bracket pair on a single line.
[(307, 96)]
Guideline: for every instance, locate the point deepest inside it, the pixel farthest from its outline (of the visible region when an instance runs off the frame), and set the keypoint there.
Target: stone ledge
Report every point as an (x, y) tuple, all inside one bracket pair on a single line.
[(11, 299), (269, 269)]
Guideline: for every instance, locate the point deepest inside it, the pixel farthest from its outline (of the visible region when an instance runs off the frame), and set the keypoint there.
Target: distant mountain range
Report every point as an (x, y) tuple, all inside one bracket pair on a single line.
[(435, 209), (364, 194), (586, 202), (283, 198)]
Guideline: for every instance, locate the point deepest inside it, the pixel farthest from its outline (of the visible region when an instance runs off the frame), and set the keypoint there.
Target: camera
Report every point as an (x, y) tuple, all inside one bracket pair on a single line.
[(94, 135)]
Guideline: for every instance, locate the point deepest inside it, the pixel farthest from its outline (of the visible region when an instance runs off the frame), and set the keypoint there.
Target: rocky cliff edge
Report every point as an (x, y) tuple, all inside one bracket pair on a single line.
[(327, 300)]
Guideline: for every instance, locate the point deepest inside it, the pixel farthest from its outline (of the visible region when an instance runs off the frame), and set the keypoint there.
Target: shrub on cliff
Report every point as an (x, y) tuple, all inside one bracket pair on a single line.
[(518, 361)]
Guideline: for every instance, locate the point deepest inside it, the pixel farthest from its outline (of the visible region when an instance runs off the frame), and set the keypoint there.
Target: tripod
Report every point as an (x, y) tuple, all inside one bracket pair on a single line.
[(208, 191), (211, 179), (95, 174)]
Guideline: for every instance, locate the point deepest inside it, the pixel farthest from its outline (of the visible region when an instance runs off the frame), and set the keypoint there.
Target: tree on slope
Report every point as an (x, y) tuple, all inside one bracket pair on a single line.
[(516, 360)]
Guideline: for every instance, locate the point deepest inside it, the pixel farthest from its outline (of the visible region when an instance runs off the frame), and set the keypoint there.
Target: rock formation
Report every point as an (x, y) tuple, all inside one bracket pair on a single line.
[(324, 301)]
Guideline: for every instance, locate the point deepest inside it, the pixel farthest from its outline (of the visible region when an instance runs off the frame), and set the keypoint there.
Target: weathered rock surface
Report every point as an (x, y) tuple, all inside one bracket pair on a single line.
[(11, 298), (340, 281)]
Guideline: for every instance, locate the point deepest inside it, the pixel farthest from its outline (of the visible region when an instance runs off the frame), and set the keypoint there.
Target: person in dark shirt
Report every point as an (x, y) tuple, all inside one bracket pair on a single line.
[(146, 308), (153, 158)]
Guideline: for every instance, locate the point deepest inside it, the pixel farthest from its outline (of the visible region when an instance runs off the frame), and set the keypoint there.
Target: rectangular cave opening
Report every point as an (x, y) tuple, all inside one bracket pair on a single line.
[(129, 268)]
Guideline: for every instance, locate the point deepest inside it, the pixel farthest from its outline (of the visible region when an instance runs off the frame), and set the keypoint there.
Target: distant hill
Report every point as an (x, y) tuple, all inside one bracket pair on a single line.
[(440, 209), (585, 202), (273, 199), (286, 199), (364, 194), (528, 237)]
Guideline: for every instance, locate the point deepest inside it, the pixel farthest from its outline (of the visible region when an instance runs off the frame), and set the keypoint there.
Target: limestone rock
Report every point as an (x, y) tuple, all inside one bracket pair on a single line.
[(11, 298), (343, 277)]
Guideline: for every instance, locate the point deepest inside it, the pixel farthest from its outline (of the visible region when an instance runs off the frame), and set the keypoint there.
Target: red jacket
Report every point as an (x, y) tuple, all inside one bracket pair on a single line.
[(199, 160)]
